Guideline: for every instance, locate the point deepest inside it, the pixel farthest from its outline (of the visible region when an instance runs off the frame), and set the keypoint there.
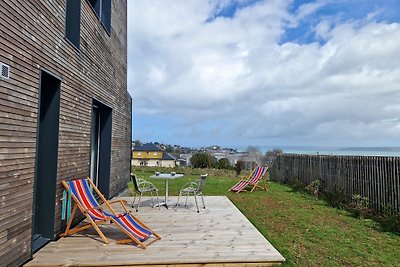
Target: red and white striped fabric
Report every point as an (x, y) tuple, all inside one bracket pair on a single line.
[(129, 223), (81, 190), (258, 174)]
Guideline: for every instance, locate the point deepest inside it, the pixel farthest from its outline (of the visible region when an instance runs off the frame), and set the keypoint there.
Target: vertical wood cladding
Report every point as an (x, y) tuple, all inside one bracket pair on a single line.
[(32, 37), (377, 178)]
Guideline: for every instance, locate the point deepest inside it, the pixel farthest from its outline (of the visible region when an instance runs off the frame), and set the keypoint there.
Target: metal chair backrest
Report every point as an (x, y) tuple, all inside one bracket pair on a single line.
[(202, 182), (135, 182)]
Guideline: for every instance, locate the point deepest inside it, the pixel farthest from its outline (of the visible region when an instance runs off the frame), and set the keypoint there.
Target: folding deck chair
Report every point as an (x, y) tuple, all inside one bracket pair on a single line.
[(252, 180), (81, 193)]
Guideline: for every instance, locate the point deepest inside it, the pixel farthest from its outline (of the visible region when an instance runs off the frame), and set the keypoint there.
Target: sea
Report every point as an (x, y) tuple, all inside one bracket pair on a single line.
[(339, 151)]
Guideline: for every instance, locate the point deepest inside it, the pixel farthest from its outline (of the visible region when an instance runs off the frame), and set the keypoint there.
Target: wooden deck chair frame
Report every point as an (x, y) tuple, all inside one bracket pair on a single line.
[(108, 219), (244, 179), (247, 180), (255, 185)]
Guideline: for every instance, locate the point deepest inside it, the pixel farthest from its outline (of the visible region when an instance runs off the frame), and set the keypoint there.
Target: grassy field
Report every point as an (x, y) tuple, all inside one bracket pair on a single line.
[(305, 230)]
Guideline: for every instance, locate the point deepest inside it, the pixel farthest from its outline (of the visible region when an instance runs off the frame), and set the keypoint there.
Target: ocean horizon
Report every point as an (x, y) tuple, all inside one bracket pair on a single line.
[(337, 151)]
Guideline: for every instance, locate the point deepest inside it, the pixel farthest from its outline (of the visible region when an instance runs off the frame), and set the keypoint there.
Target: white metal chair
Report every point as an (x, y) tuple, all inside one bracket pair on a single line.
[(143, 186), (195, 188)]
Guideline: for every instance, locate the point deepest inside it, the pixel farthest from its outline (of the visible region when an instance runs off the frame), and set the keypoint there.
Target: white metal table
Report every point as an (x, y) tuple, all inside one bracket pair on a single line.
[(166, 176)]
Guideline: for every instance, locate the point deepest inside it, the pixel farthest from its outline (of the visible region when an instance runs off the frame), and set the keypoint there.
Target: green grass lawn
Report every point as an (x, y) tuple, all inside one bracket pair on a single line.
[(305, 230)]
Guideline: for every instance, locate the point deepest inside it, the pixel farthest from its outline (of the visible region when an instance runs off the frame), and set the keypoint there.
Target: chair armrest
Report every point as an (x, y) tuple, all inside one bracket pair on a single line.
[(186, 185), (116, 201), (190, 184), (121, 201), (243, 178), (146, 183)]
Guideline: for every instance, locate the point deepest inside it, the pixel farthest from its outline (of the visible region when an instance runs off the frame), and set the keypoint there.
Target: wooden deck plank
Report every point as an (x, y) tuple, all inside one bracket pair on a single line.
[(219, 236)]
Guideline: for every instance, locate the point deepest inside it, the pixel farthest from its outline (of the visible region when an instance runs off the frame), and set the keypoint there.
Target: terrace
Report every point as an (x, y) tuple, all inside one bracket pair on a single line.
[(220, 235), (307, 231)]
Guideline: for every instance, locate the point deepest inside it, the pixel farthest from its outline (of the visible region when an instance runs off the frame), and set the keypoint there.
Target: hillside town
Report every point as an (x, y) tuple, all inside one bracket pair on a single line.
[(165, 155)]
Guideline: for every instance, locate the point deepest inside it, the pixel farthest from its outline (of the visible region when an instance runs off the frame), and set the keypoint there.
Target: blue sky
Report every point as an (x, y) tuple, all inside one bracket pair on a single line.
[(265, 72), (341, 11)]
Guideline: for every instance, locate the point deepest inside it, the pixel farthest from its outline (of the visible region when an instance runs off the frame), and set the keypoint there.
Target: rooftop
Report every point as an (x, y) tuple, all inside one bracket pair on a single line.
[(146, 147), (167, 156)]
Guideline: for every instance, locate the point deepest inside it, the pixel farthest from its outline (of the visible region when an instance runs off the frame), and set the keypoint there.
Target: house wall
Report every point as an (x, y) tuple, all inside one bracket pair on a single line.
[(147, 154), (168, 163), (31, 39), (154, 163), (147, 162)]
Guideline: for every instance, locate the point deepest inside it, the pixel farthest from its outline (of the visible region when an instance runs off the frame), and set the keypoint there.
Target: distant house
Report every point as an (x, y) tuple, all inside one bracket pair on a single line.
[(168, 160), (185, 159), (181, 162), (151, 155)]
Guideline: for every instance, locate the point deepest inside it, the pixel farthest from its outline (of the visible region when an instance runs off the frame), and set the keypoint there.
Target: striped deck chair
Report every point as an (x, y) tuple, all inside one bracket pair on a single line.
[(252, 180), (81, 193)]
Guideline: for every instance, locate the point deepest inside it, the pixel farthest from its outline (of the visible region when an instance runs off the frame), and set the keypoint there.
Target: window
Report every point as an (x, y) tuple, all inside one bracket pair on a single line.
[(106, 15), (96, 6), (155, 153), (102, 8), (73, 21), (139, 154)]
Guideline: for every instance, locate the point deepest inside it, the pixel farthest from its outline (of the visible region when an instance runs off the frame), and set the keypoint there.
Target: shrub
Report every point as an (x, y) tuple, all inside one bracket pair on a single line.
[(361, 205), (203, 160), (314, 188), (187, 170), (336, 197), (390, 218), (224, 164), (239, 166), (295, 183)]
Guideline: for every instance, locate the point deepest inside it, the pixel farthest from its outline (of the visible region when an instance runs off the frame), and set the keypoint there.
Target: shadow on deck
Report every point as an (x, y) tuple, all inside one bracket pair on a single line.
[(217, 236)]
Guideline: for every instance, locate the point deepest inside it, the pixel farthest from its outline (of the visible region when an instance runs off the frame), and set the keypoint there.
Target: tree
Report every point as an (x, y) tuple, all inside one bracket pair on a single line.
[(169, 149), (254, 152), (224, 164), (203, 160), (239, 166), (270, 156)]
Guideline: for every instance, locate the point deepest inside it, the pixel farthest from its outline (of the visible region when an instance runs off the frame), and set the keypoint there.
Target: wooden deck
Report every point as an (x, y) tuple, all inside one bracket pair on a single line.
[(217, 236)]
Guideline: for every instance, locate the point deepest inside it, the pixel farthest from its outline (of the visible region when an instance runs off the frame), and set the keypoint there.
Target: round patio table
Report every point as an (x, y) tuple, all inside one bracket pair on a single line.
[(167, 177)]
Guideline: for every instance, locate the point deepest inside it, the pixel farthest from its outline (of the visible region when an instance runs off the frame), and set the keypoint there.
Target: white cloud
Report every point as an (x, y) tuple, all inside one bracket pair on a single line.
[(309, 8), (343, 92)]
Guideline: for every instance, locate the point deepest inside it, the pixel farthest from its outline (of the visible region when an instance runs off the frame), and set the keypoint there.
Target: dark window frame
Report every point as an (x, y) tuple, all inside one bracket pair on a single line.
[(96, 6), (104, 160), (72, 26), (102, 10), (106, 6)]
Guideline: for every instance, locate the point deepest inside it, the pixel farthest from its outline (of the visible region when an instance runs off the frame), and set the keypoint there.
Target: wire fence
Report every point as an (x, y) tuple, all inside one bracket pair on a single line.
[(377, 178)]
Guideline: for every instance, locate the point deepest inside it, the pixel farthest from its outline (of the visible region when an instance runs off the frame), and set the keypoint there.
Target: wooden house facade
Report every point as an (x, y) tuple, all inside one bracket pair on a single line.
[(65, 112)]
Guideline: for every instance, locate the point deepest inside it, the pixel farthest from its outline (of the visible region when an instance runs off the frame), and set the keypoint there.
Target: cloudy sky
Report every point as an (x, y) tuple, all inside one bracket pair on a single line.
[(266, 72)]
